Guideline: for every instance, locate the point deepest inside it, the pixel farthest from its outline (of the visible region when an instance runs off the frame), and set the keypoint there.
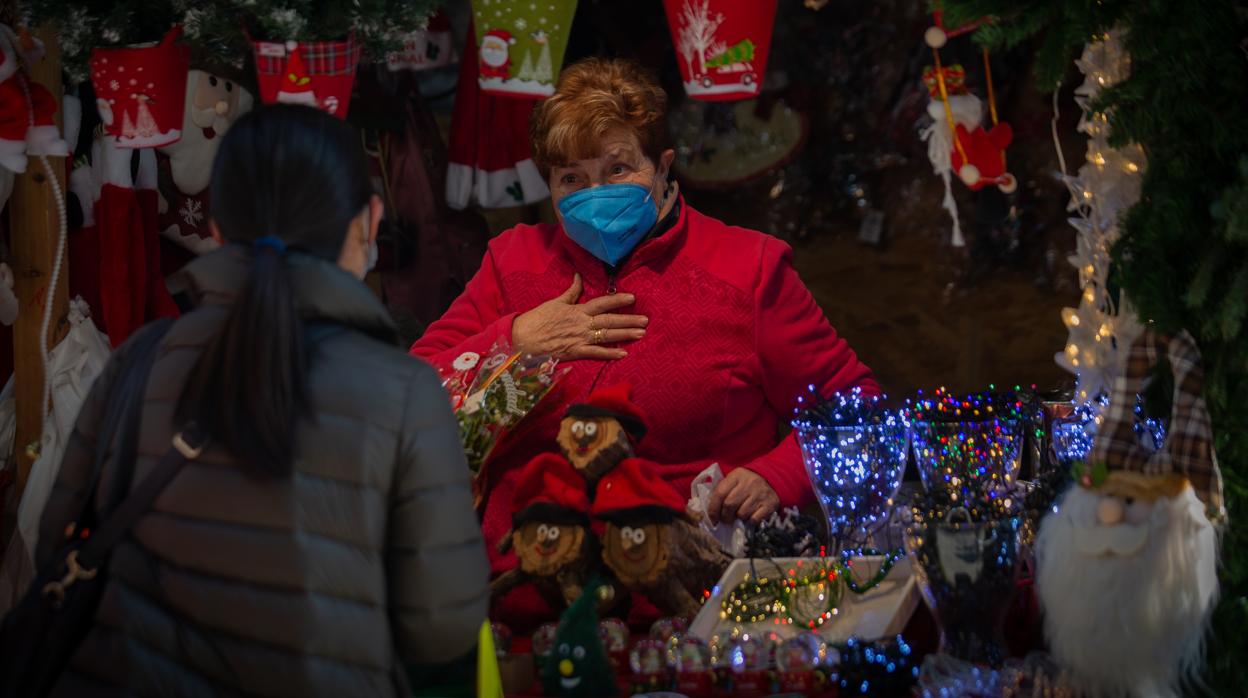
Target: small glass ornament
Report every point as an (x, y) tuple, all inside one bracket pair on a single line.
[(544, 639), (665, 629), (748, 662), (691, 659), (502, 639), (650, 669)]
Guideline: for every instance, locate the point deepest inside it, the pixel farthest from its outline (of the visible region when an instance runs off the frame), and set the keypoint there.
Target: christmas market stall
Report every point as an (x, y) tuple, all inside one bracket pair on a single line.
[(1031, 219)]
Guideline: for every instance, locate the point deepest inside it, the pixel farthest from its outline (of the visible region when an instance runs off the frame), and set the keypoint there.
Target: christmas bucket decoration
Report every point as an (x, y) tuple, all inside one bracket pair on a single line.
[(140, 91), (316, 73), (722, 45), (425, 49), (520, 46), (855, 454)]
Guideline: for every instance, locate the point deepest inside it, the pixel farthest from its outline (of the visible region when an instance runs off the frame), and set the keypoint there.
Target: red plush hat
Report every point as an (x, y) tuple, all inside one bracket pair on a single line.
[(616, 402), (550, 489), (633, 490)]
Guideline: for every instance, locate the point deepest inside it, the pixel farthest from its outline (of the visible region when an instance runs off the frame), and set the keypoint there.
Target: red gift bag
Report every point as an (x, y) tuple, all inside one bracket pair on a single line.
[(721, 45), (140, 91), (316, 73)]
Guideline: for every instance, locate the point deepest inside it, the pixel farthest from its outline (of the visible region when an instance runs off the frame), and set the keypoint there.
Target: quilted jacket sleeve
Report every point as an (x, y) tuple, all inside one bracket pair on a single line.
[(797, 349), (473, 322), (436, 562)]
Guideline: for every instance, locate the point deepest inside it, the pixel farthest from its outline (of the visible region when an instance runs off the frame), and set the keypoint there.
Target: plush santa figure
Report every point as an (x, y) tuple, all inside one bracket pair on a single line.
[(496, 54), (1127, 564), (984, 163), (26, 107), (550, 532), (297, 85), (213, 103), (649, 542)]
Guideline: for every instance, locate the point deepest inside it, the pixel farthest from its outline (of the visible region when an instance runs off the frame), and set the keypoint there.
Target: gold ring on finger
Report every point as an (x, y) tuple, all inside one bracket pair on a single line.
[(598, 336)]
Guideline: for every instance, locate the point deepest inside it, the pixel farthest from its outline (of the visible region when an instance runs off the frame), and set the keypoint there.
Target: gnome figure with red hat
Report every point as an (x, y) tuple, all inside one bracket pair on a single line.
[(650, 543), (599, 433), (550, 532)]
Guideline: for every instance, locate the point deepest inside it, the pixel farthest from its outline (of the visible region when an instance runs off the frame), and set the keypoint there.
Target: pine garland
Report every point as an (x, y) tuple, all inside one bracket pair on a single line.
[(1183, 255), (214, 28)]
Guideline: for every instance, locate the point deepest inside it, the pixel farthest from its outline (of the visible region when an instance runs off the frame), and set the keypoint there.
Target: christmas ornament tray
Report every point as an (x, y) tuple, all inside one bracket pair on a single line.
[(883, 611)]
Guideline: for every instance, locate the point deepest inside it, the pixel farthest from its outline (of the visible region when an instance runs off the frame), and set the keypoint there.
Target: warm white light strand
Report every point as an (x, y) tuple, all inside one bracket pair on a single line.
[(1101, 327)]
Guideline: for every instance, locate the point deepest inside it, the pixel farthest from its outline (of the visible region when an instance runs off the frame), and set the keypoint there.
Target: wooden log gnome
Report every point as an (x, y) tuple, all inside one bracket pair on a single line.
[(600, 432), (1127, 564), (649, 542), (550, 532)]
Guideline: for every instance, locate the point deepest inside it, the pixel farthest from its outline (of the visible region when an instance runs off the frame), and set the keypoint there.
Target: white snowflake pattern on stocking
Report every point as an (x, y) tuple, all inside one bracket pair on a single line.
[(192, 212)]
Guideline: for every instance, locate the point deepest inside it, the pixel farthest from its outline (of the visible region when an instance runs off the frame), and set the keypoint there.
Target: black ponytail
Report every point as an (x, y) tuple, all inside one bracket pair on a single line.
[(287, 179)]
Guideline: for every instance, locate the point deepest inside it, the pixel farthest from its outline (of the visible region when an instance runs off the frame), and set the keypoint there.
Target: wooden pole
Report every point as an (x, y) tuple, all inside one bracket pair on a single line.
[(34, 232)]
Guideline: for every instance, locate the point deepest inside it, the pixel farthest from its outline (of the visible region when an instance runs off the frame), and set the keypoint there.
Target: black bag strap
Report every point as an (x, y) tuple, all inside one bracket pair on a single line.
[(187, 445)]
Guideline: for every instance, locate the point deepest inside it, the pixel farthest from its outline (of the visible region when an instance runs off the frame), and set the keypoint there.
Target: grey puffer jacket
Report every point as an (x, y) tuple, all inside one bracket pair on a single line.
[(324, 583)]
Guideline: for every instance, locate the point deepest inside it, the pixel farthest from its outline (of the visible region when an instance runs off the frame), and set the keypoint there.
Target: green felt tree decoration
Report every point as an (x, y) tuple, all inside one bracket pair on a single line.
[(578, 665)]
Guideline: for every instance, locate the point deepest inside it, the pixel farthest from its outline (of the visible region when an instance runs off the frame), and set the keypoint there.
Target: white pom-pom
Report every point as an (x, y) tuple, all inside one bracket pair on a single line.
[(292, 45), (1008, 183), (969, 174), (935, 37)]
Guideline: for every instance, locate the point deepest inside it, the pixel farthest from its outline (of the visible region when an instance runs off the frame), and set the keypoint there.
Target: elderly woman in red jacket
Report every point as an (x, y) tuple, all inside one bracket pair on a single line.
[(709, 323)]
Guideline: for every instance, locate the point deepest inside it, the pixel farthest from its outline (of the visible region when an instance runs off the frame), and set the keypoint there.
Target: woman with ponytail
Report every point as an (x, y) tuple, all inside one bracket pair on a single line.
[(325, 538)]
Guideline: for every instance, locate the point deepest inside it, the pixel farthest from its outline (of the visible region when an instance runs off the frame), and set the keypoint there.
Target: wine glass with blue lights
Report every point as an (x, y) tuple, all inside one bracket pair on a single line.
[(855, 453)]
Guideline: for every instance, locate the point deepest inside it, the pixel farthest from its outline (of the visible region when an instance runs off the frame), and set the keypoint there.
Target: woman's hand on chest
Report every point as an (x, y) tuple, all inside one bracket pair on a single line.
[(563, 328)]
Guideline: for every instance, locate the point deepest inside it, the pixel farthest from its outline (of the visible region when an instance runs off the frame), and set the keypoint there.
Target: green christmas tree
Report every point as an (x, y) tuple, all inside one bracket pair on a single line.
[(214, 28), (579, 665), (1183, 254)]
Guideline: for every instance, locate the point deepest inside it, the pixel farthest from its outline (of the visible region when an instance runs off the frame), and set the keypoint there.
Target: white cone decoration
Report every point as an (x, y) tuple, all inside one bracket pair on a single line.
[(1101, 330)]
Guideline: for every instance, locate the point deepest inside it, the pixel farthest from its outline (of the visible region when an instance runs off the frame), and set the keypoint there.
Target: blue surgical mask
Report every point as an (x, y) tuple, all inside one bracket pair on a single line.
[(609, 220)]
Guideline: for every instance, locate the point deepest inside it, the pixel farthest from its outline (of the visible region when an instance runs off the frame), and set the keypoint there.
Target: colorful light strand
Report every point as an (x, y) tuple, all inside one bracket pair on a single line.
[(855, 454)]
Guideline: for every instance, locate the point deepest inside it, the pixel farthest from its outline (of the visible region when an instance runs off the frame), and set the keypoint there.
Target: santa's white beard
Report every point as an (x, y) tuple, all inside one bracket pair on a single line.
[(1130, 624), (190, 159)]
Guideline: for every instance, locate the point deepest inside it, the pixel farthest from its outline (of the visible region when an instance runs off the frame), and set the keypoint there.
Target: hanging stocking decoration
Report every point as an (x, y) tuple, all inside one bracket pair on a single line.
[(490, 158), (722, 45), (139, 91), (316, 73), (520, 46)]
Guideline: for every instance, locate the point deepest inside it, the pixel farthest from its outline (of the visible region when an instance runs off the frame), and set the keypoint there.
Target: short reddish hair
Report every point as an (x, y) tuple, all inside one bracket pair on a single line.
[(593, 96)]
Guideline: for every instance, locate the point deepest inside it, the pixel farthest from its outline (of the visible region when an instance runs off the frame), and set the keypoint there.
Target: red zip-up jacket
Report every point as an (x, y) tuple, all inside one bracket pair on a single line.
[(734, 339)]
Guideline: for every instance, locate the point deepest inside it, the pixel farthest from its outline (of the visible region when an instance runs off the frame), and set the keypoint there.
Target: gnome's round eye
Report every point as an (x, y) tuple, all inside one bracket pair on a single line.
[(578, 428), (542, 532), (229, 86), (639, 536), (552, 533), (626, 533), (579, 652), (212, 81), (564, 649), (591, 428)]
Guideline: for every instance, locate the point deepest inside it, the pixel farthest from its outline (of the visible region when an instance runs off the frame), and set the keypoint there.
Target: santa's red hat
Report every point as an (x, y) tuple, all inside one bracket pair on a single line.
[(502, 34), (550, 489), (297, 79), (634, 491), (615, 402)]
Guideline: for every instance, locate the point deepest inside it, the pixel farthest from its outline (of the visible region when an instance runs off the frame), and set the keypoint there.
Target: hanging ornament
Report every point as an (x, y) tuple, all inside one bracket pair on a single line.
[(139, 91), (722, 45), (425, 49), (316, 73), (1103, 325), (957, 142), (520, 47)]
